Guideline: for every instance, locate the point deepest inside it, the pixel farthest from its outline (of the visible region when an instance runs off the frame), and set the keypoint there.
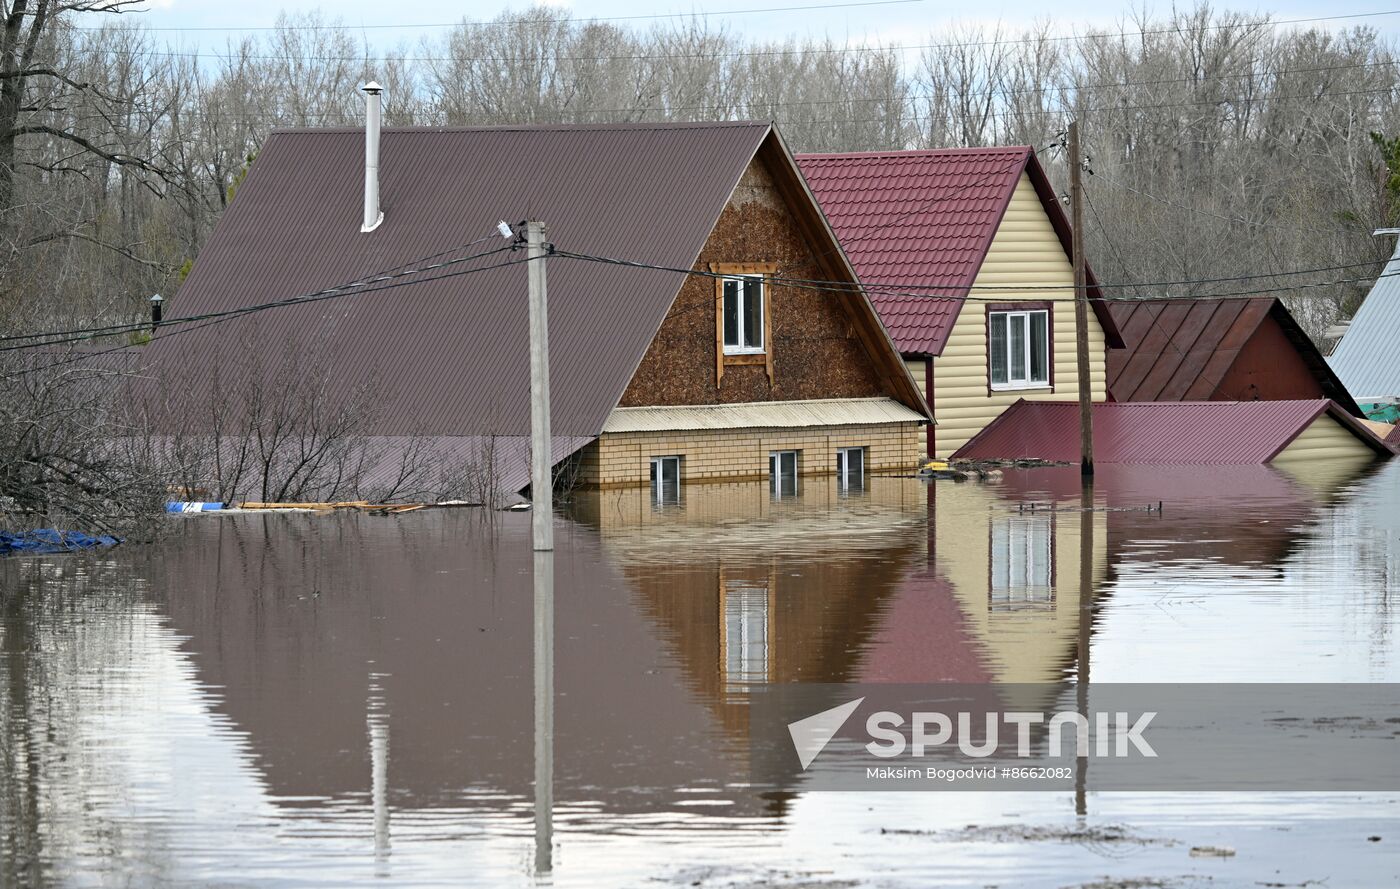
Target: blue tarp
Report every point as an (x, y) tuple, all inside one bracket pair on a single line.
[(51, 540), (180, 506)]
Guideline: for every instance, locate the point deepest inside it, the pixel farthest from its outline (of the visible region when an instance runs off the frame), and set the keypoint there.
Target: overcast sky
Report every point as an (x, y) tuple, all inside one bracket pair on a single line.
[(902, 21)]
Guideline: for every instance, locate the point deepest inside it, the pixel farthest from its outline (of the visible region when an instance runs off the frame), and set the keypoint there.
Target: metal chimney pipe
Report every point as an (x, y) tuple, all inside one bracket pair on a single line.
[(373, 215)]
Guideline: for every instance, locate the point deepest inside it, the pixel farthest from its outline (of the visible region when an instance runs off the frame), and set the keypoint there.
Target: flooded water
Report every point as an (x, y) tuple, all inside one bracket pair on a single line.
[(296, 700)]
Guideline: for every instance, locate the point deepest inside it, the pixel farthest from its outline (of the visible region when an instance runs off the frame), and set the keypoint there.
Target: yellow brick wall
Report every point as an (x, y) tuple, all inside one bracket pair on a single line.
[(1025, 252), (711, 455)]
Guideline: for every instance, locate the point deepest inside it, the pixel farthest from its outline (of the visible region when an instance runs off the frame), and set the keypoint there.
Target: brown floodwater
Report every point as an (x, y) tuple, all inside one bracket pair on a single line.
[(305, 700)]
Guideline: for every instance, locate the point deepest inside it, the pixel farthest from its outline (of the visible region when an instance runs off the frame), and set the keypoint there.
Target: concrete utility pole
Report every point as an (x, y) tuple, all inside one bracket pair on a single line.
[(541, 481), (1081, 303)]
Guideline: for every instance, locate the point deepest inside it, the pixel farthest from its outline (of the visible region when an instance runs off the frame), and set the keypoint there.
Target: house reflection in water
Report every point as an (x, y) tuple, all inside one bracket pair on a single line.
[(667, 615), (896, 580)]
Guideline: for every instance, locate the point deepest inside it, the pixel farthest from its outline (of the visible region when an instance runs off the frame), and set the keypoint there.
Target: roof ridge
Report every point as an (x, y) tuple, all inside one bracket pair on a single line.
[(917, 152), (528, 128)]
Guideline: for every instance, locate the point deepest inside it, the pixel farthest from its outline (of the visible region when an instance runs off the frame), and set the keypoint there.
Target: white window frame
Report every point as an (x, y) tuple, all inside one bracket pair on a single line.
[(843, 468), (742, 296), (744, 621), (1026, 382), (775, 473), (658, 478), (1022, 563)]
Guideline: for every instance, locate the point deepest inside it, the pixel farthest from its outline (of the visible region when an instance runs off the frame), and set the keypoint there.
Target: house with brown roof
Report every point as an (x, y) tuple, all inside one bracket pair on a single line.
[(710, 362), (1217, 349), (966, 255)]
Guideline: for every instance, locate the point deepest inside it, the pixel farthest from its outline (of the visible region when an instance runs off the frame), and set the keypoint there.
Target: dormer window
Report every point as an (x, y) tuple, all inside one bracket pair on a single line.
[(743, 315)]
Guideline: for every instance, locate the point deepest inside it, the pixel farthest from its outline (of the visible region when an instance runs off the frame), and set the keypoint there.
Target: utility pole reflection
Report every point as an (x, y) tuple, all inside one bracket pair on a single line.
[(378, 719), (1086, 617), (544, 711)]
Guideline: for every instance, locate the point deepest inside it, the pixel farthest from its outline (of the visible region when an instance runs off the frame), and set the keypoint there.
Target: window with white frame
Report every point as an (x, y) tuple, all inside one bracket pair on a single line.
[(782, 473), (665, 480), (744, 603), (850, 469), (743, 315), (1022, 571), (1018, 349)]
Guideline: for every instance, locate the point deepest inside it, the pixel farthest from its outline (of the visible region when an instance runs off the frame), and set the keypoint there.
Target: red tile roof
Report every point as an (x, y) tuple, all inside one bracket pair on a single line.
[(923, 220), (1181, 349), (1162, 432)]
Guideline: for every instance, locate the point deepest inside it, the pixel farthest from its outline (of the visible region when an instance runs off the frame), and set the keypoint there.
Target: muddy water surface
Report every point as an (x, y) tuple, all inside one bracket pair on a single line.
[(290, 700)]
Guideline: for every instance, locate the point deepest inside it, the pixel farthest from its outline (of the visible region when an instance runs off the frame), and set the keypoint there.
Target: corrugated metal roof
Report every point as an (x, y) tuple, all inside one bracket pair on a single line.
[(1163, 433), (762, 414), (926, 219), (1366, 358), (1181, 349), (448, 356)]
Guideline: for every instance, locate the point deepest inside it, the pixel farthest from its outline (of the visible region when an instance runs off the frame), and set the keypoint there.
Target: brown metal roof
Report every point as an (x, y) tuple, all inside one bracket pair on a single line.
[(447, 353), (1181, 349), (449, 358), (1161, 433)]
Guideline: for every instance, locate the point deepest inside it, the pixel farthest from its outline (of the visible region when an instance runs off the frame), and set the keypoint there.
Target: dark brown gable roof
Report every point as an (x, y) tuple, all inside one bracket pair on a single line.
[(450, 357), (1181, 349)]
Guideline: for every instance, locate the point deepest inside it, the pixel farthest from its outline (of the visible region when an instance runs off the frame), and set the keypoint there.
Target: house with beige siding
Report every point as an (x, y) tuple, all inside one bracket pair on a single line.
[(684, 346), (966, 256)]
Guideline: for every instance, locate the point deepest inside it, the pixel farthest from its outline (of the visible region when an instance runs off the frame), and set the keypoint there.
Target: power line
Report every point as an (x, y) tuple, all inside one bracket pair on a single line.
[(1113, 183), (53, 338), (813, 50), (962, 292), (381, 26), (393, 279), (1270, 23)]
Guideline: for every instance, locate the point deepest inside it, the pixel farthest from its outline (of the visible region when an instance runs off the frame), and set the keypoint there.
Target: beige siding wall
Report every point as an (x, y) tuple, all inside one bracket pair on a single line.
[(623, 459), (1025, 252), (1028, 642), (1325, 439)]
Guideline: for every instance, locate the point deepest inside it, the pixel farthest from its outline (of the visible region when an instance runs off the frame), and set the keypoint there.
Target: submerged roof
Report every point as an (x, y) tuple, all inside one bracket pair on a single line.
[(1162, 432), (447, 357), (924, 220), (1181, 349), (1365, 359)]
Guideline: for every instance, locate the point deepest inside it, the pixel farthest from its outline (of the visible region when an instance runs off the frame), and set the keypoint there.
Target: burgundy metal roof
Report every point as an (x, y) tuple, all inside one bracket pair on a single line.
[(1181, 349), (1162, 432), (925, 219), (448, 357)]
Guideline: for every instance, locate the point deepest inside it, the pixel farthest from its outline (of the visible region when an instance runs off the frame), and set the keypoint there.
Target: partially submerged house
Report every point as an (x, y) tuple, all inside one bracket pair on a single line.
[(657, 375), (1217, 349), (966, 254), (1183, 433), (1365, 357)]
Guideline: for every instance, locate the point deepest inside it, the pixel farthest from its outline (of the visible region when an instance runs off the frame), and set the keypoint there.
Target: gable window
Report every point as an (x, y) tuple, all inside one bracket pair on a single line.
[(744, 631), (850, 469), (665, 480), (1022, 571), (742, 314), (1018, 349)]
